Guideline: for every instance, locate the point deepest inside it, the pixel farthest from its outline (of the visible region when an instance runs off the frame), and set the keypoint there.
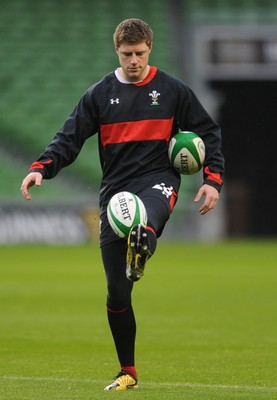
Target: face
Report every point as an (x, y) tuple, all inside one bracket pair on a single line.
[(133, 59)]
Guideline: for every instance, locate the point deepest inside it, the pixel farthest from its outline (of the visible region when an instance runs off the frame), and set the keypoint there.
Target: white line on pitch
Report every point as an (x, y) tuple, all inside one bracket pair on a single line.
[(154, 384)]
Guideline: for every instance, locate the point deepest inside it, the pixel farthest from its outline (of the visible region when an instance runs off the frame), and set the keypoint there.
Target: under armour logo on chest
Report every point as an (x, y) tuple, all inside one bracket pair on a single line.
[(116, 101)]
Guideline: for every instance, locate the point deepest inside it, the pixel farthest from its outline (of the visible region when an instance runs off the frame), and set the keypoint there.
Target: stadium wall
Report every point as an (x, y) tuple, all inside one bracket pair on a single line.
[(50, 225)]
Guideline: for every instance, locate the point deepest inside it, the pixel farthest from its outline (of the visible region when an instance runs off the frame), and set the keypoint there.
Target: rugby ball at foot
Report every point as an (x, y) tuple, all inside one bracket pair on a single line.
[(186, 152), (125, 210)]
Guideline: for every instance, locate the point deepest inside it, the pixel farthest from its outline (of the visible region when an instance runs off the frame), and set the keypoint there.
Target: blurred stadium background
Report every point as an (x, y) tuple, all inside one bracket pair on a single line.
[(52, 51)]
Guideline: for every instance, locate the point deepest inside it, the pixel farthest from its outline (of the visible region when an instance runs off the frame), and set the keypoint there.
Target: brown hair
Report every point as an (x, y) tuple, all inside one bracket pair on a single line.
[(133, 31)]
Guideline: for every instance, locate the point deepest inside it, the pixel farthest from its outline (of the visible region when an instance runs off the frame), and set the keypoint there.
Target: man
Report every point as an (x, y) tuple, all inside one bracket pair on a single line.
[(134, 131)]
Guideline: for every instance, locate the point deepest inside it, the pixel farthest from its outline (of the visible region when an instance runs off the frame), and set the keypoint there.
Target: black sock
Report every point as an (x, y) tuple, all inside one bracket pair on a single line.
[(123, 328)]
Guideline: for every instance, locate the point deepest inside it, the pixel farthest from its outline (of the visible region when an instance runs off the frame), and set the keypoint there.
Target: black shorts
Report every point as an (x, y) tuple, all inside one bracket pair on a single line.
[(159, 194)]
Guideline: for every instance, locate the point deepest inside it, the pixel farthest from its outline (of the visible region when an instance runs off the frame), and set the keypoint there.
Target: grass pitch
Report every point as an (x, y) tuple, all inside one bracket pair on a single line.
[(206, 323)]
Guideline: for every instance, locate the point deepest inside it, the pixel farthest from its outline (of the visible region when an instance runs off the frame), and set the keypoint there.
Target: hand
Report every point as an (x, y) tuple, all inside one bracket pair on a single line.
[(212, 197), (34, 178)]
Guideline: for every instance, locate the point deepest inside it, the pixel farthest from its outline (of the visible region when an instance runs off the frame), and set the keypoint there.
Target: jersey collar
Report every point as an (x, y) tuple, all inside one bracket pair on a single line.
[(152, 72), (147, 79)]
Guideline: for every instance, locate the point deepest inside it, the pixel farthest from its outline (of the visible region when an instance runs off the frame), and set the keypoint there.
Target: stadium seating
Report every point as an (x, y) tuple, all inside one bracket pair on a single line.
[(233, 12), (53, 51)]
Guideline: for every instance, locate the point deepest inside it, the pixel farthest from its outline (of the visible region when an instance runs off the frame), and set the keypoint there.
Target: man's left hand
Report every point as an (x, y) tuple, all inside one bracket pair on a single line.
[(211, 199)]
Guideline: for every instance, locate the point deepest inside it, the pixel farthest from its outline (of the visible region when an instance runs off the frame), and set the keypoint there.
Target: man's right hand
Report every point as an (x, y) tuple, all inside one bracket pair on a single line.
[(33, 178)]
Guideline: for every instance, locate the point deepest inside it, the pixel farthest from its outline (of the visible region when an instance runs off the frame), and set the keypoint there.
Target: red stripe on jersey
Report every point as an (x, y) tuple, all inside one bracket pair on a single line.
[(40, 165), (213, 176), (149, 77), (123, 132)]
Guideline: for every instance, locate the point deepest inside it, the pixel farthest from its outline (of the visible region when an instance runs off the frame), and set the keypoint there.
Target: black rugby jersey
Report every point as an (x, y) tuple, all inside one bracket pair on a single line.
[(134, 123)]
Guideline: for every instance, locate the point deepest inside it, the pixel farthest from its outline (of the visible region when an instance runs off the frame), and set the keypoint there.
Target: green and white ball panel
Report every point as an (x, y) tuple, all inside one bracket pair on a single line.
[(186, 152), (125, 210)]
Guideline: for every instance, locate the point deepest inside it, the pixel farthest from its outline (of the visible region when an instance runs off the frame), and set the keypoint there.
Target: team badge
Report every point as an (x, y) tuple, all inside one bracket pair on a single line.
[(154, 95), (166, 190)]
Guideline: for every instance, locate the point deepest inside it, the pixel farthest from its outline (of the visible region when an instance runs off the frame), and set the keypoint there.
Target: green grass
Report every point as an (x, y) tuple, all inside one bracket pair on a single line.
[(206, 319)]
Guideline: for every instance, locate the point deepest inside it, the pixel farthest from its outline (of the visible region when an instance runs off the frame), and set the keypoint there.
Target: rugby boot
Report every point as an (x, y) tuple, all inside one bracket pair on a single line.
[(137, 253), (123, 381)]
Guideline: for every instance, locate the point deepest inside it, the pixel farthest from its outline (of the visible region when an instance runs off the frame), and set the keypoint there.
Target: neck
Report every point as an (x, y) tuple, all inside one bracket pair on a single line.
[(127, 78)]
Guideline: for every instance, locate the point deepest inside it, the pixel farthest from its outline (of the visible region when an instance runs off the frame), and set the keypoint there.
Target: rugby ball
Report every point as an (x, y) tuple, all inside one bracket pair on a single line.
[(125, 210), (186, 152)]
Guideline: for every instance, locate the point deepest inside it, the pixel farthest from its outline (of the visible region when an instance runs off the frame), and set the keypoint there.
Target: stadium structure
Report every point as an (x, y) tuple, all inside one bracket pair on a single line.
[(53, 51)]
